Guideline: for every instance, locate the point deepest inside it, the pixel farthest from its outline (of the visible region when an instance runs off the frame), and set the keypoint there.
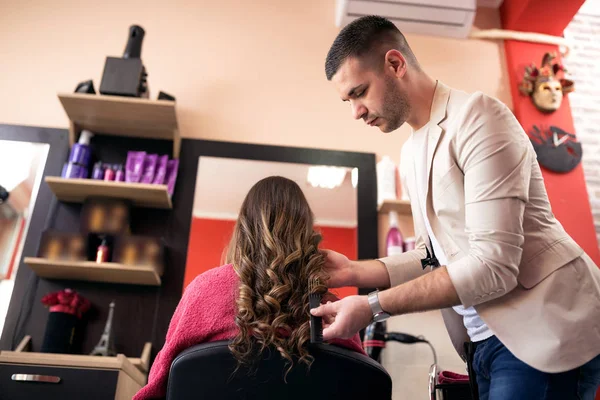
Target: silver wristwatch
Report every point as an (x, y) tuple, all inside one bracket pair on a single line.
[(378, 313)]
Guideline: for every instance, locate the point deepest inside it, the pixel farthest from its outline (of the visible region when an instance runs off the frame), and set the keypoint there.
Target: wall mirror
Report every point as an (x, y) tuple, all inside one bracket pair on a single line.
[(222, 185), (340, 188), (21, 169)]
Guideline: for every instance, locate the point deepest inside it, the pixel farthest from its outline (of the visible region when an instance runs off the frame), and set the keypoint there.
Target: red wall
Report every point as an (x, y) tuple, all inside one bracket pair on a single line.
[(542, 16), (342, 240), (567, 192), (209, 237)]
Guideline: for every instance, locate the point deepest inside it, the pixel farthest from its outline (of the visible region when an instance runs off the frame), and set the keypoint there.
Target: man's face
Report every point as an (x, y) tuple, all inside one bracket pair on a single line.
[(373, 93)]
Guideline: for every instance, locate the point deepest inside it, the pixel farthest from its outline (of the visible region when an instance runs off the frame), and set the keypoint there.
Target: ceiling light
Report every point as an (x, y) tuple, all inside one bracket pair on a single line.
[(326, 177)]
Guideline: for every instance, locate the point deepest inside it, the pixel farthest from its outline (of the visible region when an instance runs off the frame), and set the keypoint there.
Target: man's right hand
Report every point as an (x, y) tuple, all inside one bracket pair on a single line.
[(344, 272), (339, 268)]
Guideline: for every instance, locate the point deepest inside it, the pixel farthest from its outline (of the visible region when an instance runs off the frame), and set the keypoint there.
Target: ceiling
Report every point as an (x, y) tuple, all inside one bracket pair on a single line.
[(222, 184)]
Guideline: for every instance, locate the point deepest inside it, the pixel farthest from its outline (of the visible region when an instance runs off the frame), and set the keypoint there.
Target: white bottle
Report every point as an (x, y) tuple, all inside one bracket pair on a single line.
[(386, 180)]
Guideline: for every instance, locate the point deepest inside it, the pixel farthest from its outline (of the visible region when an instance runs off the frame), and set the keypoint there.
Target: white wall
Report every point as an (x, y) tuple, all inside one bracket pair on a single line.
[(583, 64)]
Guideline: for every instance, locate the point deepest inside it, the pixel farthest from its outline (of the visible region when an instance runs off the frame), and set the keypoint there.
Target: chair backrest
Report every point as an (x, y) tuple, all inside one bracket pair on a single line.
[(205, 372)]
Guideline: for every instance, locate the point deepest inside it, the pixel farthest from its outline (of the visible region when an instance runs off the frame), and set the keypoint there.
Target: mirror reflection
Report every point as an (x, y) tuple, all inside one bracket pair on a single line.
[(222, 185), (21, 169)]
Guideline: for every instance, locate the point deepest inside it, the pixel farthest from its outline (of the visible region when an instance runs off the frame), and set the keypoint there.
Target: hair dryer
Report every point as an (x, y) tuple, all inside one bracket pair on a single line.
[(127, 76), (134, 42), (376, 337)]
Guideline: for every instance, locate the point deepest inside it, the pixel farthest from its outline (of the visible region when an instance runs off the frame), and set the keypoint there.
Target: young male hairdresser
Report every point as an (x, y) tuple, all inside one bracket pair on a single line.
[(509, 278)]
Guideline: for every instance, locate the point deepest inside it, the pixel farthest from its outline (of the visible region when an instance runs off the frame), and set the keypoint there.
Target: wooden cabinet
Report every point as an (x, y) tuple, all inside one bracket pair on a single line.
[(26, 375), (57, 376)]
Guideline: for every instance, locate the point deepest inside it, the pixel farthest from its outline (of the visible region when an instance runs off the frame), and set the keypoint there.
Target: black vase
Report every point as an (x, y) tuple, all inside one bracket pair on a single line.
[(61, 332)]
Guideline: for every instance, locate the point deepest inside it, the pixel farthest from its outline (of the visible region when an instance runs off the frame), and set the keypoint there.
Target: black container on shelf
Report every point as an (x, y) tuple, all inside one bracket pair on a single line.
[(62, 333)]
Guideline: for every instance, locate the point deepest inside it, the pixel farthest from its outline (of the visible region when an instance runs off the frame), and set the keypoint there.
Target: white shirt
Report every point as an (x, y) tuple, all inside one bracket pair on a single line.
[(476, 328)]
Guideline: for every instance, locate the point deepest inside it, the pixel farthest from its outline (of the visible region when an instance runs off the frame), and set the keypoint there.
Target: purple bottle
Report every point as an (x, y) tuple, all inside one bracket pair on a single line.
[(98, 171), (394, 244), (119, 174)]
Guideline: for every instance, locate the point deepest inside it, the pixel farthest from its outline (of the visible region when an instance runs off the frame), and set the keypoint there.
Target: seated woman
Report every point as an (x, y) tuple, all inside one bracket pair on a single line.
[(261, 295)]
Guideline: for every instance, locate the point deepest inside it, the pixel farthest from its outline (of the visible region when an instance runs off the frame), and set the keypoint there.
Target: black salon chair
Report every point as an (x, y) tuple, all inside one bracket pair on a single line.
[(205, 372)]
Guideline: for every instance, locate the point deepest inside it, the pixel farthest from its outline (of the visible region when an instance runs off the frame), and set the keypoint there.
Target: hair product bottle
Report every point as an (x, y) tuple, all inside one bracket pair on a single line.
[(394, 243), (119, 173), (109, 173), (79, 157), (98, 171), (102, 252)]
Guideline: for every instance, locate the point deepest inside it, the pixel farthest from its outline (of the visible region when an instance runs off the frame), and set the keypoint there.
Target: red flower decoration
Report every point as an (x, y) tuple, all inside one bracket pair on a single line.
[(67, 301)]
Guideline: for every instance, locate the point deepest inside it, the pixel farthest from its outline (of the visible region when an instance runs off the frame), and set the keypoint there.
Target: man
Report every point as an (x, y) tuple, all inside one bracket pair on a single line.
[(509, 278)]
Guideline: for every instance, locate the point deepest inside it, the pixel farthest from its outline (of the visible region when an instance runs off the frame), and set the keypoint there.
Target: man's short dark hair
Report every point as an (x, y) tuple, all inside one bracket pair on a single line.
[(366, 36)]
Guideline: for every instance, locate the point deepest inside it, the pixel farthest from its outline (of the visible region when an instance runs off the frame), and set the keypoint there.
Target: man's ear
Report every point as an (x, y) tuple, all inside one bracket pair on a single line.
[(395, 63)]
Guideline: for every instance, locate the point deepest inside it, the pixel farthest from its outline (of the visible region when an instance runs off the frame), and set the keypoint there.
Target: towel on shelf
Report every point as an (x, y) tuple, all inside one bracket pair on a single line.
[(452, 377), (205, 313)]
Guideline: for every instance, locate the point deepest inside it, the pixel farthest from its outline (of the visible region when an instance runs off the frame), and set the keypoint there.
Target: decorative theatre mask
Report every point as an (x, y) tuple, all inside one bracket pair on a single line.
[(543, 85)]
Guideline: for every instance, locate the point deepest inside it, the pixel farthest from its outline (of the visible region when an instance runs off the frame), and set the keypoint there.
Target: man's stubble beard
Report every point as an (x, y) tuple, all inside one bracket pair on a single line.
[(396, 107)]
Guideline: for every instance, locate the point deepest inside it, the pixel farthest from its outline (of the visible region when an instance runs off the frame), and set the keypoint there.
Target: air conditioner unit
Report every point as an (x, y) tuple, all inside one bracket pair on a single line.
[(449, 18)]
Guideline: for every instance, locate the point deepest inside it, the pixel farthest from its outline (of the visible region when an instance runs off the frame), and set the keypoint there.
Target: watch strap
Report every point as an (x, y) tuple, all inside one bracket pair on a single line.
[(374, 302)]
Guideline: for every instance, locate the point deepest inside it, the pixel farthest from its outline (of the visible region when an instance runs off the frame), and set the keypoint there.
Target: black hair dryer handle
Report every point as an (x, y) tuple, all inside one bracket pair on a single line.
[(134, 42)]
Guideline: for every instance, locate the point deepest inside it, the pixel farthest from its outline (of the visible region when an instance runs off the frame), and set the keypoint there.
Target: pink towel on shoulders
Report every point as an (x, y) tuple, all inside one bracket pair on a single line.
[(205, 313)]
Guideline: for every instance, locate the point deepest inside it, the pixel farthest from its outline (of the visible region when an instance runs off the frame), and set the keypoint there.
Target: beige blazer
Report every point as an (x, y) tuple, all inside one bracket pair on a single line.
[(508, 256)]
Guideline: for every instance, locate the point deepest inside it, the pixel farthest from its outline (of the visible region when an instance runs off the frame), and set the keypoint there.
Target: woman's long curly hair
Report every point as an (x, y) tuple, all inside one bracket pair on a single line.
[(274, 251)]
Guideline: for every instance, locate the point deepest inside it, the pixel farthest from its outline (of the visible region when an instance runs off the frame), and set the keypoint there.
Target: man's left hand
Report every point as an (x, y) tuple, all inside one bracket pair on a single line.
[(347, 317)]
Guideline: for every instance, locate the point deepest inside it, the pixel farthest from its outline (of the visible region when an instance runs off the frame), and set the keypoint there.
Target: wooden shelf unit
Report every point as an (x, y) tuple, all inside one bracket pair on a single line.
[(131, 373), (141, 194), (121, 116), (402, 207), (94, 272), (74, 360)]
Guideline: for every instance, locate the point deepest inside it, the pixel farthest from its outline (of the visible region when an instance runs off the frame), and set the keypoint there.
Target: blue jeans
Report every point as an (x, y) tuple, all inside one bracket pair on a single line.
[(500, 375)]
